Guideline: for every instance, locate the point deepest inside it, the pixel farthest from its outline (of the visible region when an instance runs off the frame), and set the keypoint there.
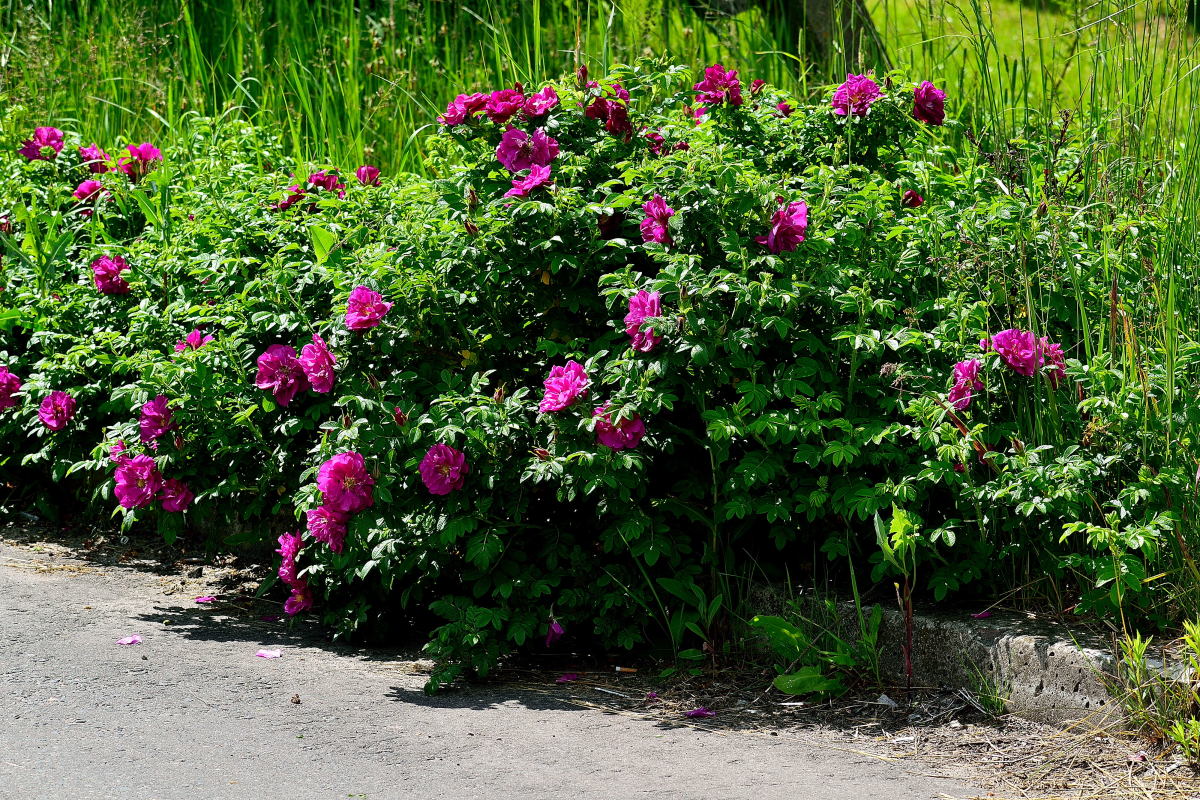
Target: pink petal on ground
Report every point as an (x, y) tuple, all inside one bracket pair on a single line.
[(700, 712), (269, 653), (567, 678), (981, 615), (135, 639), (205, 599)]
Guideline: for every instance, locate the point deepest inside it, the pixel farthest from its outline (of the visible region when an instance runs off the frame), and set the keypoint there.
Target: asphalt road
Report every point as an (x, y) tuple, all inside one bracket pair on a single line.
[(192, 713)]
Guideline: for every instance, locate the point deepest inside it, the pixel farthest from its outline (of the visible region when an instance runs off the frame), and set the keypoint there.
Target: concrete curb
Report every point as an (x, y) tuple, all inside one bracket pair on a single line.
[(1048, 672)]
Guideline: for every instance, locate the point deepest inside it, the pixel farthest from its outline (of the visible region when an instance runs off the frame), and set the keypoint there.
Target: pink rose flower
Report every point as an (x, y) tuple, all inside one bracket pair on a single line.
[(301, 599), (175, 496), (289, 548), (328, 526), (539, 104), (10, 384), (1018, 349), (318, 363), (623, 434), (279, 370), (367, 175), (756, 87), (116, 453), (554, 632), (784, 109), (788, 226), (463, 108), (327, 181), (929, 104), (365, 308), (296, 193), (536, 179), (518, 150), (502, 104), (141, 161), (1053, 352), (966, 383), (95, 159), (56, 410), (106, 274), (45, 145), (654, 226), (911, 199), (443, 469), (193, 341), (642, 305), (138, 481), (564, 386), (89, 191), (156, 419), (719, 87), (345, 483), (611, 107), (855, 96)]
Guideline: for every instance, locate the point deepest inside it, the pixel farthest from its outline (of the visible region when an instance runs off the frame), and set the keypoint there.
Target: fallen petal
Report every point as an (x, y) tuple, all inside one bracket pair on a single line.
[(567, 678), (700, 712), (981, 615), (269, 653), (134, 639), (205, 599), (270, 618)]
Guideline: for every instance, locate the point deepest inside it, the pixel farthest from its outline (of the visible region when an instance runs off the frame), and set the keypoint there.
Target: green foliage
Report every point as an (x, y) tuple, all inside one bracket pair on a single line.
[(793, 397)]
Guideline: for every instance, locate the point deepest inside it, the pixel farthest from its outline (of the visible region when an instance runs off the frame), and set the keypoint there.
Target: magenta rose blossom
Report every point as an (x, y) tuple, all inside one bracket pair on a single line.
[(300, 600), (642, 305), (966, 383), (624, 434), (106, 274), (193, 341), (1054, 354), (788, 226), (654, 226), (175, 496), (45, 145), (564, 386), (10, 384), (911, 199), (502, 104), (756, 87), (539, 104), (138, 481), (1018, 349), (518, 150), (554, 632), (296, 193), (929, 104), (56, 410), (289, 548), (855, 96), (443, 469), (141, 161), (328, 526), (318, 363), (612, 108), (279, 370), (784, 109), (536, 179), (462, 109), (95, 159), (156, 419), (345, 483), (89, 190), (719, 87), (327, 181), (367, 175), (365, 308)]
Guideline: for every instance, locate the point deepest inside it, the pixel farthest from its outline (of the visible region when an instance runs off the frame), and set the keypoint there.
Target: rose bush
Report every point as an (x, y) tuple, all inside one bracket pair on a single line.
[(637, 336)]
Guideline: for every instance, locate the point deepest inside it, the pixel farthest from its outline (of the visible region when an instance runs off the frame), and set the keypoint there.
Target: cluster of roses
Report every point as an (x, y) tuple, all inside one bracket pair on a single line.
[(285, 373), (1022, 351), (567, 384), (55, 410), (138, 480), (788, 224), (47, 143), (326, 181)]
